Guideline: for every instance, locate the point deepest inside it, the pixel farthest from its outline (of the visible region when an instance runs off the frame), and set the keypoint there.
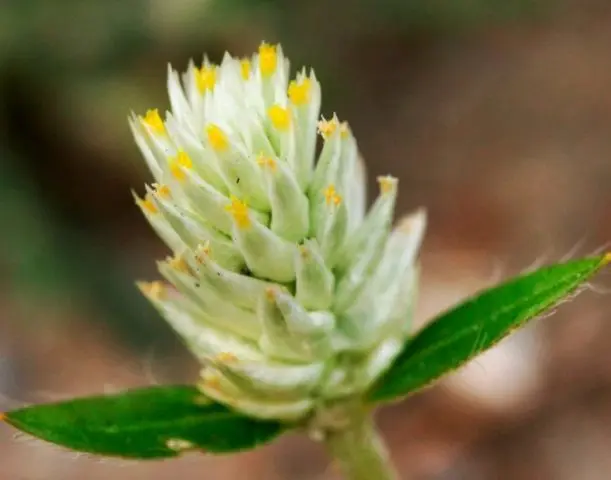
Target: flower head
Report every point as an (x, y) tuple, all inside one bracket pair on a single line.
[(284, 287)]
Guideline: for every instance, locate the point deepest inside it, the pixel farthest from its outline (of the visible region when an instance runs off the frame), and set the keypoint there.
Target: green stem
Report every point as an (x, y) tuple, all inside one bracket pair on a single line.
[(360, 450)]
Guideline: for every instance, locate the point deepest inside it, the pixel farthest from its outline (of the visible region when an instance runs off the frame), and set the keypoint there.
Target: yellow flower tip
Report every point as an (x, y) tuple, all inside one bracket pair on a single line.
[(607, 258), (155, 290), (388, 184), (176, 171), (331, 196), (162, 190), (154, 121), (267, 162), (179, 264), (299, 92), (211, 379), (226, 357), (178, 163), (217, 138), (205, 78), (280, 117), (245, 68), (202, 251), (239, 211), (268, 59), (147, 204), (327, 128), (270, 294), (2, 416), (184, 160)]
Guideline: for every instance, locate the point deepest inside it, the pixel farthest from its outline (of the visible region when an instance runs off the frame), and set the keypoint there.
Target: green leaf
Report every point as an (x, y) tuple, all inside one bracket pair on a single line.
[(144, 423), (477, 324)]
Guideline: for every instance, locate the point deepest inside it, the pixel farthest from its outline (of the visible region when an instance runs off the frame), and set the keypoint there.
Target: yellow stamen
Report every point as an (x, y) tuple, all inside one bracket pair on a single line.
[(180, 161), (268, 59), (280, 117), (205, 78), (211, 379), (299, 93), (387, 184), (202, 251), (178, 263), (327, 127), (162, 190), (2, 416), (147, 204), (239, 211), (270, 293), (304, 251), (245, 68), (331, 195), (154, 121), (607, 258), (155, 290), (265, 161), (226, 357), (217, 138)]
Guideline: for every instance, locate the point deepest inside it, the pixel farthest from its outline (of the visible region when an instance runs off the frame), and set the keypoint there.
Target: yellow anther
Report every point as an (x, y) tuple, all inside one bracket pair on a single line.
[(178, 263), (270, 293), (202, 251), (280, 117), (176, 171), (177, 163), (268, 59), (155, 290), (217, 138), (154, 121), (607, 258), (304, 251), (211, 379), (266, 161), (2, 416), (239, 211), (162, 190), (387, 184), (331, 196), (205, 78), (147, 204), (327, 127), (245, 68), (226, 357), (299, 93)]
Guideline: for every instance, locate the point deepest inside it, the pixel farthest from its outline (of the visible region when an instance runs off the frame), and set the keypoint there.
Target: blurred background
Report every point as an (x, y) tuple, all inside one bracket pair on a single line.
[(494, 114)]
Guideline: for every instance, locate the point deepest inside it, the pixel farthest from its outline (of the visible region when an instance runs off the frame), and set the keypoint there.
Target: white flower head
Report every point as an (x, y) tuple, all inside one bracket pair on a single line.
[(281, 284)]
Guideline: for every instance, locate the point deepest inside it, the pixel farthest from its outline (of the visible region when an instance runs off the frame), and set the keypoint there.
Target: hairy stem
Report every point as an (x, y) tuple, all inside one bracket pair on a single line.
[(360, 450)]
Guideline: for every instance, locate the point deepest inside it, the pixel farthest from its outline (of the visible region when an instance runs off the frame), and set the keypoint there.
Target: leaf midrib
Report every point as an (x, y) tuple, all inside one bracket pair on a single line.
[(458, 334)]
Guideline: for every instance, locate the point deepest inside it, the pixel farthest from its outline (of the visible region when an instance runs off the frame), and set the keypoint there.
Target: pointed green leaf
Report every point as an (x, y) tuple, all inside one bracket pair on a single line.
[(476, 325), (145, 423)]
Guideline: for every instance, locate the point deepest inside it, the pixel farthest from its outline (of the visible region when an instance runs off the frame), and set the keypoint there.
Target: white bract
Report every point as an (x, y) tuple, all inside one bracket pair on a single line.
[(284, 287)]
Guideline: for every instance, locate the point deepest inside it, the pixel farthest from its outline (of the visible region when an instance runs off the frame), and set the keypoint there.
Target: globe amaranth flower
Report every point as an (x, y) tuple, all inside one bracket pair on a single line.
[(284, 287)]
